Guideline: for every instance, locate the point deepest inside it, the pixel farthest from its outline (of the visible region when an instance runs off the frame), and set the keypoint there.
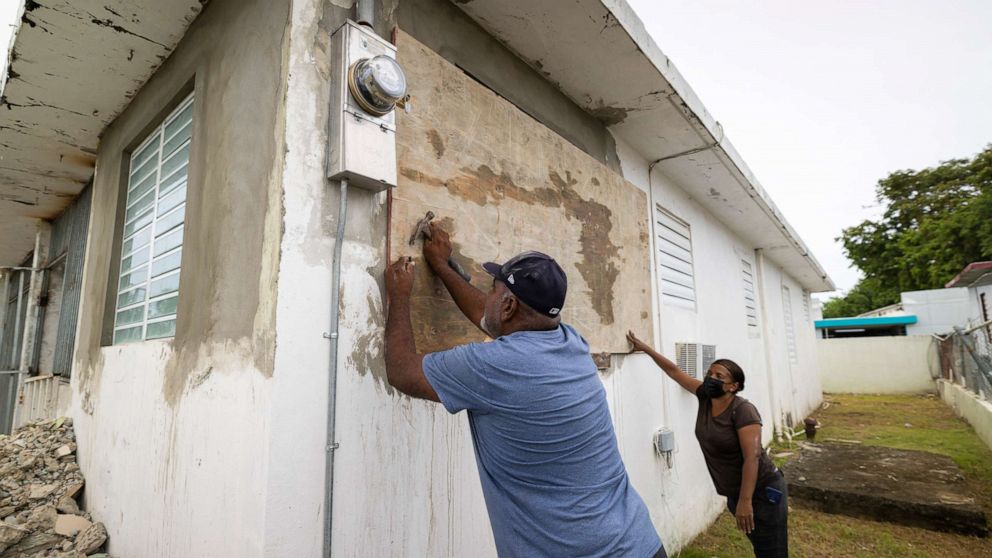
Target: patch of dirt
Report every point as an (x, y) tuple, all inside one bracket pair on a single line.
[(901, 486)]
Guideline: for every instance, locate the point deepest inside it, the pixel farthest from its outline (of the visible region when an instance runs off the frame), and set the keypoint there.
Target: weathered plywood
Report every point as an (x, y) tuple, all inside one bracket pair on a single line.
[(502, 183)]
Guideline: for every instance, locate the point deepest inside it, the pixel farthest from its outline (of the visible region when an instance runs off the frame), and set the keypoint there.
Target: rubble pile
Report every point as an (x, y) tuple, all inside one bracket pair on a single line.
[(40, 483)]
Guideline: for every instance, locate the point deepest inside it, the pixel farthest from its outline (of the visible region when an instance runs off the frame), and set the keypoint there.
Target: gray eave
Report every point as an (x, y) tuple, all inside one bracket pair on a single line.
[(74, 66), (599, 54)]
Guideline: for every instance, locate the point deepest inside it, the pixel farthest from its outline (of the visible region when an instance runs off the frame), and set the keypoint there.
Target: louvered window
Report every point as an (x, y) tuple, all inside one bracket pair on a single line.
[(750, 306), (674, 244), (151, 252), (806, 305)]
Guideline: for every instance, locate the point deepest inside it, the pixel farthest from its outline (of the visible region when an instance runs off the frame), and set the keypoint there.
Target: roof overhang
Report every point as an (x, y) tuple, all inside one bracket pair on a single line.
[(867, 323), (599, 54), (885, 310), (975, 274), (74, 66)]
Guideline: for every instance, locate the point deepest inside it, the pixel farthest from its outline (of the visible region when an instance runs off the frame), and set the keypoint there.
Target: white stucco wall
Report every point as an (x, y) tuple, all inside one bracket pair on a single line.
[(937, 310), (967, 405), (171, 481), (898, 364), (681, 499)]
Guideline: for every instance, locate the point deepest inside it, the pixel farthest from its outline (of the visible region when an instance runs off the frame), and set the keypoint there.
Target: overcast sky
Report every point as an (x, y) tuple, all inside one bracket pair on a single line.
[(822, 99)]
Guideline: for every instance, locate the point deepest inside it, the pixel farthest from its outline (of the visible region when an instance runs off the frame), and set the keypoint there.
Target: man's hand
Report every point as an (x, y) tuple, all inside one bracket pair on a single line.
[(399, 278), (437, 248)]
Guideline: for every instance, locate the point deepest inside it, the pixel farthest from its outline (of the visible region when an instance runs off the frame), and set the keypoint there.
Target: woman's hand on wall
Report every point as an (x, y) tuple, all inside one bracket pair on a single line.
[(636, 343)]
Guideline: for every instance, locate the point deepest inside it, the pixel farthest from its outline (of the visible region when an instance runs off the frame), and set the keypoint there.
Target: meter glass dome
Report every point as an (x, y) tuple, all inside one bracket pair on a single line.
[(388, 77), (377, 84)]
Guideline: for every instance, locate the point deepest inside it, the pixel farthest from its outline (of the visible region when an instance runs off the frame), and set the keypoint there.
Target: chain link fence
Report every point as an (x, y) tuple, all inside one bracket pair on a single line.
[(965, 357)]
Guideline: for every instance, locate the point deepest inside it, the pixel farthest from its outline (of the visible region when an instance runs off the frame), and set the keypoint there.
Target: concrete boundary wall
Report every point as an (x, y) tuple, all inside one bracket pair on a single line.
[(968, 406), (876, 364)]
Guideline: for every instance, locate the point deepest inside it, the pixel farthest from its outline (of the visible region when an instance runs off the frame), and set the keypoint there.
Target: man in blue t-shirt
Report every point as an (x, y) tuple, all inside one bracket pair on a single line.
[(548, 460)]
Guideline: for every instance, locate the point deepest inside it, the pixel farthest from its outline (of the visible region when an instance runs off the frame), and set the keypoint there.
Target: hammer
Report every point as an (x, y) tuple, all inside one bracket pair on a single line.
[(424, 228)]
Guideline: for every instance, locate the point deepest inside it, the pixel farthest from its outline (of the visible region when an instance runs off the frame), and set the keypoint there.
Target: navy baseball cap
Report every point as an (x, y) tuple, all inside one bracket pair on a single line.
[(534, 278)]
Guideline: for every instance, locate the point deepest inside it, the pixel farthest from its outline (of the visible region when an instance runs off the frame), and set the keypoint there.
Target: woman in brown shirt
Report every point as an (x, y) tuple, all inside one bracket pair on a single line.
[(728, 428)]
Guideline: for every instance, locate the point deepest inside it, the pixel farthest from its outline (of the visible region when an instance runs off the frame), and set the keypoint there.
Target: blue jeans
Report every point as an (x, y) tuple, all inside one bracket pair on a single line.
[(770, 537)]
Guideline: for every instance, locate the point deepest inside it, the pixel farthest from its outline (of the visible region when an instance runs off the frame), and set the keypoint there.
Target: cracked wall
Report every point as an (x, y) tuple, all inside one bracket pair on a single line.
[(181, 422)]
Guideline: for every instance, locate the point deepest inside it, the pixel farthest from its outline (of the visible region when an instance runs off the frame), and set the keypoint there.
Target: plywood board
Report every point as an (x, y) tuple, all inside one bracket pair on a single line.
[(502, 183)]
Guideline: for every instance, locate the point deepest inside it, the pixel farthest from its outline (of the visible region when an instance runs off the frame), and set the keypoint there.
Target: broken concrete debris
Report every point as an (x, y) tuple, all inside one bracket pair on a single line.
[(39, 484)]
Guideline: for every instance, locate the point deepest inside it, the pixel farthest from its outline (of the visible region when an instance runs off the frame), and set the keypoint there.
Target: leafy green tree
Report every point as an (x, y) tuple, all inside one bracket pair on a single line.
[(936, 221), (867, 295)]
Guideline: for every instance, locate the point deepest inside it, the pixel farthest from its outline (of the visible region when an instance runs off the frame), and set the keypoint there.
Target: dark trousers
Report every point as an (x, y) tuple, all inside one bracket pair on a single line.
[(770, 537), (660, 553)]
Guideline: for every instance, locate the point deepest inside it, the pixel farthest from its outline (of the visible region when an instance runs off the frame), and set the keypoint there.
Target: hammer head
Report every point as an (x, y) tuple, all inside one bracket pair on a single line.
[(423, 228)]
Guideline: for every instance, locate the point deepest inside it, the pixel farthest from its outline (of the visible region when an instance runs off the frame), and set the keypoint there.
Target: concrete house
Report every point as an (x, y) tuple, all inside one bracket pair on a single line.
[(976, 279), (213, 323), (926, 312)]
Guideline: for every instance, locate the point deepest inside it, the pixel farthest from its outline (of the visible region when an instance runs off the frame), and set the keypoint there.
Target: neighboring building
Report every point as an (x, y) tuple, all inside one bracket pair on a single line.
[(934, 311), (937, 310), (885, 364), (976, 279), (197, 133), (872, 326)]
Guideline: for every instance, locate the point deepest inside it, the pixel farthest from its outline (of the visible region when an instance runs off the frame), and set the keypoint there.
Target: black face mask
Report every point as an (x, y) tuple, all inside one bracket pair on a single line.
[(712, 387)]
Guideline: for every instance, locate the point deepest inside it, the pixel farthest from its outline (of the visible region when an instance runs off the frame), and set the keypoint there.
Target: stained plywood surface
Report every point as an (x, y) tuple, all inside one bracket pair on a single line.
[(502, 183)]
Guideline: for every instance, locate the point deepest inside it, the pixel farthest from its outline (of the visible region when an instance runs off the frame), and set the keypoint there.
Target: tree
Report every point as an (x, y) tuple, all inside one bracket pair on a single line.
[(936, 221), (866, 295)]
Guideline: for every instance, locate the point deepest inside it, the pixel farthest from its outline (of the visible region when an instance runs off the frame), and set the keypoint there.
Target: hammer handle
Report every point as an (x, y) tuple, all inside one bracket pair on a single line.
[(459, 270)]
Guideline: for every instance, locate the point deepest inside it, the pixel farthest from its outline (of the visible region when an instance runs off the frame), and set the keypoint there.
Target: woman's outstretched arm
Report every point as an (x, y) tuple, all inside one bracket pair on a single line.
[(687, 382)]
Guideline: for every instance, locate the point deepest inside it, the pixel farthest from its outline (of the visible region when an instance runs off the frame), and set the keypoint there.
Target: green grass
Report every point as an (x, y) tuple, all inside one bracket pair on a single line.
[(875, 420)]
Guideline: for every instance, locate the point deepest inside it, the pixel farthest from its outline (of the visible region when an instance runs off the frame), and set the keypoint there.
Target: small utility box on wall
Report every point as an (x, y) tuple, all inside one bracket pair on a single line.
[(362, 131)]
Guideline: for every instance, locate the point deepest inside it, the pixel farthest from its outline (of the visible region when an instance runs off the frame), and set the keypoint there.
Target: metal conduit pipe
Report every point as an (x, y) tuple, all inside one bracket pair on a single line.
[(15, 365), (332, 380), (364, 12), (654, 255), (4, 303), (16, 346)]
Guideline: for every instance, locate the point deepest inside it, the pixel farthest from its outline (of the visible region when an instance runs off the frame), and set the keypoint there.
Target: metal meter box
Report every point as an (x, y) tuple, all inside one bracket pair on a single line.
[(361, 146), (664, 440)]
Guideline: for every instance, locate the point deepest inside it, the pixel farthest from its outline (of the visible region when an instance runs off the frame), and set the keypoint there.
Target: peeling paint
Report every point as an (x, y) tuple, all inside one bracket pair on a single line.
[(598, 251), (120, 29), (436, 142), (482, 186), (609, 115), (46, 118), (367, 349)]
